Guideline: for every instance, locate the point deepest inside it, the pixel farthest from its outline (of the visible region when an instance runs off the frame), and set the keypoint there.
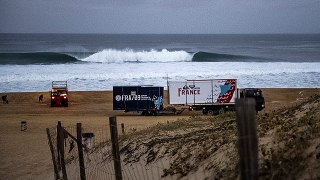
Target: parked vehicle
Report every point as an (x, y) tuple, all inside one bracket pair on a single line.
[(59, 94), (214, 96), (256, 94), (147, 100)]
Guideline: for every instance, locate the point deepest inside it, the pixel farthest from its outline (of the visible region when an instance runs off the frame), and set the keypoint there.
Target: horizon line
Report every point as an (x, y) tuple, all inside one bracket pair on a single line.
[(157, 33)]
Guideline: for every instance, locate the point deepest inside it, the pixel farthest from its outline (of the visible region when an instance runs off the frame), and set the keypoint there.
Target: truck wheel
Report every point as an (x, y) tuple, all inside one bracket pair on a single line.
[(221, 111), (210, 112), (154, 113), (146, 113)]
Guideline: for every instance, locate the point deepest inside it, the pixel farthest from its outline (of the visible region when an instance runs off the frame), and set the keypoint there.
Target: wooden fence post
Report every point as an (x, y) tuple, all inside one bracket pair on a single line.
[(247, 135), (55, 168), (115, 147), (80, 151), (122, 128), (60, 132), (58, 145)]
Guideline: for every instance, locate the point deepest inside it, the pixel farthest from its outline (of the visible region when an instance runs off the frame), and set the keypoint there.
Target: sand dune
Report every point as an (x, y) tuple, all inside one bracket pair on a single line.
[(26, 154)]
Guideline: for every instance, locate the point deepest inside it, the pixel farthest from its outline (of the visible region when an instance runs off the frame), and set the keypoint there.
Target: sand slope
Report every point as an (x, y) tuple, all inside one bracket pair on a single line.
[(26, 154)]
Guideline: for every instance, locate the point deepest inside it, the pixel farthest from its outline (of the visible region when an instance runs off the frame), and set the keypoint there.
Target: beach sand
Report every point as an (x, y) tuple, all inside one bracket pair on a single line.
[(26, 154)]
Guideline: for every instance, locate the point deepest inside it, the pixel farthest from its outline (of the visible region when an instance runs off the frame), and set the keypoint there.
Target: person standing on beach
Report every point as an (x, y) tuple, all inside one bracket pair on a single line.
[(40, 98), (5, 99)]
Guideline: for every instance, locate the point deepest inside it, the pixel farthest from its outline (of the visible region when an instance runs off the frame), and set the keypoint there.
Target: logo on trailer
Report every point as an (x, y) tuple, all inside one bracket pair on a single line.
[(157, 102), (227, 91), (132, 98), (118, 98), (188, 90)]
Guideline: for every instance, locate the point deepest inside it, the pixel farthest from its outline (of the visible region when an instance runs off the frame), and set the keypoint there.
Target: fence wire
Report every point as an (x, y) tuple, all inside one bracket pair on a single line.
[(144, 159)]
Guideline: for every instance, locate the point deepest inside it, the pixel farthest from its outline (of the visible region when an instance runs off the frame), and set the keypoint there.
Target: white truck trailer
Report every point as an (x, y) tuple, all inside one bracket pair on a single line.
[(213, 96)]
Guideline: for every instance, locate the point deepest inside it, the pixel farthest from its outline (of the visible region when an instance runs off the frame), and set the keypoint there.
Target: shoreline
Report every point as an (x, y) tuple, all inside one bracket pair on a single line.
[(165, 89), (81, 100)]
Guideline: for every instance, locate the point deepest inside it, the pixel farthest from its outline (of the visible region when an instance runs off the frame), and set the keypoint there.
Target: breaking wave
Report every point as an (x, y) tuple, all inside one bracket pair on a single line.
[(164, 55), (129, 55), (118, 56)]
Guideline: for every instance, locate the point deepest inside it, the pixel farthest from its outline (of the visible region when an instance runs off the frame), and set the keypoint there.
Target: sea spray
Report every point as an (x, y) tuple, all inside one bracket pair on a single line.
[(129, 55)]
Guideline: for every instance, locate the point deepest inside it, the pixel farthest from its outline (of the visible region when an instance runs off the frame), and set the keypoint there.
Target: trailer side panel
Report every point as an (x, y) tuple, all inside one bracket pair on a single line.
[(205, 92), (137, 98)]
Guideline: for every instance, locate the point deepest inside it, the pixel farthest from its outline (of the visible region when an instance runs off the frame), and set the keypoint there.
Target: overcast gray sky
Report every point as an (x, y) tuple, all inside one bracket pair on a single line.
[(159, 16)]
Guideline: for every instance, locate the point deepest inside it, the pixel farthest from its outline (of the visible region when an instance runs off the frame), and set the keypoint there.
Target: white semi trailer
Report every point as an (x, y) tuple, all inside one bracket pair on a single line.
[(213, 96)]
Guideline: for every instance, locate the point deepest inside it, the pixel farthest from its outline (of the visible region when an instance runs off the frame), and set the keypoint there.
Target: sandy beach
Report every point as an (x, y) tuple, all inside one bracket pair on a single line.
[(26, 154)]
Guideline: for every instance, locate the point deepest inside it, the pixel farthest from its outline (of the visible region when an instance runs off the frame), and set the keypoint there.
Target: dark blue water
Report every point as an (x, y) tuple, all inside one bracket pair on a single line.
[(203, 48)]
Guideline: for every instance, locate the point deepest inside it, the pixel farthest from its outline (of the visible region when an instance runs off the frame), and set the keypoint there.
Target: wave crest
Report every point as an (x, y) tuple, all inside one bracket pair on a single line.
[(129, 55)]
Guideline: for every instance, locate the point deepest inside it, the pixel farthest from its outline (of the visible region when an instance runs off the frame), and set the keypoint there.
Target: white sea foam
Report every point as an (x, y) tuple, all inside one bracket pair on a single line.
[(96, 76), (129, 55)]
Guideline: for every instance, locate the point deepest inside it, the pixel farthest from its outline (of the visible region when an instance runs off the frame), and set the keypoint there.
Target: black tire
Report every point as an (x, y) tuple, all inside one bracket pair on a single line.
[(210, 112), (145, 113), (154, 113), (221, 111)]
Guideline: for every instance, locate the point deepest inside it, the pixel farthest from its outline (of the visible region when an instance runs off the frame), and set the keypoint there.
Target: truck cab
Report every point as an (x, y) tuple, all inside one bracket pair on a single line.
[(59, 94), (256, 94)]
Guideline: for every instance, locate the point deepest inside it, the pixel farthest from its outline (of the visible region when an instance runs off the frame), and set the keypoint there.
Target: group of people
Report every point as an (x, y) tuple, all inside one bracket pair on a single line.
[(6, 101)]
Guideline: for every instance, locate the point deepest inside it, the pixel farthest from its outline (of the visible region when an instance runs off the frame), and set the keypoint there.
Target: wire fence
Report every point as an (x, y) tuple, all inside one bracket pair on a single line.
[(177, 150), (98, 155)]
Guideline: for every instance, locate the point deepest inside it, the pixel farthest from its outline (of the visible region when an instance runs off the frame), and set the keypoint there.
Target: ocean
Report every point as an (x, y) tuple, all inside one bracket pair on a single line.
[(30, 62)]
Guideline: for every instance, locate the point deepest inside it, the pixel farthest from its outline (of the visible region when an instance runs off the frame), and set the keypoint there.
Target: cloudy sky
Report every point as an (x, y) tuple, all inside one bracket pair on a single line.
[(160, 16)]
